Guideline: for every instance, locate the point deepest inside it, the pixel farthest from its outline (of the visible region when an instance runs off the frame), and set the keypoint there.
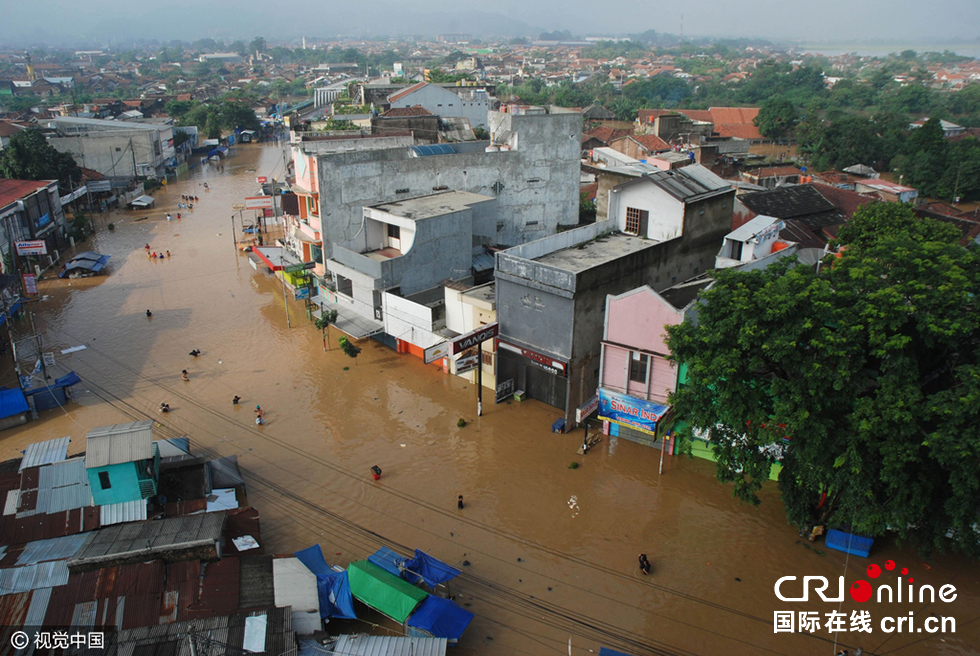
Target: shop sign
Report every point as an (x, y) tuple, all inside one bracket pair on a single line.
[(301, 293), (32, 247), (474, 337), (630, 411), (258, 203), (261, 179), (505, 390), (586, 409), (302, 266), (540, 360), (30, 284), (467, 363), (436, 352)]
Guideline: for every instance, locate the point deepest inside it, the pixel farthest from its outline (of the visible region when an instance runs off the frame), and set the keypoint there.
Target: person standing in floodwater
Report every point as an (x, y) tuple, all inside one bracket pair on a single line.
[(644, 564), (459, 502)]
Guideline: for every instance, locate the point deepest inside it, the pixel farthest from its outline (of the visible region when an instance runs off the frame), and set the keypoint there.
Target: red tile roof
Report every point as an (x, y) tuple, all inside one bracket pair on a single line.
[(606, 134), (845, 200), (651, 142), (404, 92), (8, 129), (414, 110), (13, 190)]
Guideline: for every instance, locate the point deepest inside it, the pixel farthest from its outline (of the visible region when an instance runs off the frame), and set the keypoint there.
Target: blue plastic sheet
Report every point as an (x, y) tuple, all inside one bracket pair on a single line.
[(332, 587), (605, 651), (389, 561), (441, 618), (426, 568)]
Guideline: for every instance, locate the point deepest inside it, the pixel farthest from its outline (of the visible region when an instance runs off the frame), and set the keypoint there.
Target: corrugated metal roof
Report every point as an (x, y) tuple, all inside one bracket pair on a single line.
[(54, 549), (174, 447), (38, 608), (33, 577), (3, 550), (368, 645), (10, 506), (63, 486), (144, 540), (127, 511), (295, 586), (42, 453), (111, 445)]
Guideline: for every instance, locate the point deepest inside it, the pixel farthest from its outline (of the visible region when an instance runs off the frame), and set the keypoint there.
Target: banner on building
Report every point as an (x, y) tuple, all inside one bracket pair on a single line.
[(630, 411), (474, 337)]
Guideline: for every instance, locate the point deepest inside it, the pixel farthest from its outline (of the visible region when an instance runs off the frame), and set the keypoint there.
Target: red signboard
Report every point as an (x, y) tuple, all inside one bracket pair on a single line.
[(545, 362), (474, 337), (261, 179)]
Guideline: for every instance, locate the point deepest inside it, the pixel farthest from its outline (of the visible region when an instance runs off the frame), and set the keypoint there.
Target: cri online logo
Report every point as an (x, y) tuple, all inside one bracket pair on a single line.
[(862, 590)]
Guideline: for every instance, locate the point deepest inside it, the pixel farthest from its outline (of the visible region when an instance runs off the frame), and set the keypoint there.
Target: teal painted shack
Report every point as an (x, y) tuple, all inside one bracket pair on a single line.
[(122, 462)]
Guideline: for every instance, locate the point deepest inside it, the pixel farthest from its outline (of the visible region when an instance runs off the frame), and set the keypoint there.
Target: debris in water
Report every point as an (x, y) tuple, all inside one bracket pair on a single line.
[(738, 579), (466, 563), (520, 560)]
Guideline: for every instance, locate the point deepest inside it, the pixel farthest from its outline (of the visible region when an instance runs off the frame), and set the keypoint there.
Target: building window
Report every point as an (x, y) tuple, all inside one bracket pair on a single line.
[(104, 480), (394, 231), (487, 357), (345, 286), (638, 367), (636, 221)]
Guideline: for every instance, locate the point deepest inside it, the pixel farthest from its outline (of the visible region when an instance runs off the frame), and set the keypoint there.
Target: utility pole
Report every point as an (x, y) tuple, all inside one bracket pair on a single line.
[(275, 218), (133, 152), (37, 348), (234, 238)]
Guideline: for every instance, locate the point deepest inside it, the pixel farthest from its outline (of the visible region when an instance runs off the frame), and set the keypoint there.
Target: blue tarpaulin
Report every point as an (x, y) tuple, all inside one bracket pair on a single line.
[(388, 560), (12, 402), (332, 587), (605, 651), (441, 618), (426, 568), (856, 545)]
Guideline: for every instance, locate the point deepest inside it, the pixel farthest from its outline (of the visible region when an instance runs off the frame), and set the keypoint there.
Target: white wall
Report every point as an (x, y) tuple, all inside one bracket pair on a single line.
[(666, 213), (409, 321)]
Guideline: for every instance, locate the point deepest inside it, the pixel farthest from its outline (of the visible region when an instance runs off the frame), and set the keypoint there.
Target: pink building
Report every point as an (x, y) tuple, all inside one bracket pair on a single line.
[(634, 354)]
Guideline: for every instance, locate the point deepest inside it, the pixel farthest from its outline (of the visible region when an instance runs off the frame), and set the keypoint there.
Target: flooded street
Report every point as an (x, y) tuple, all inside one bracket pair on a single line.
[(548, 553)]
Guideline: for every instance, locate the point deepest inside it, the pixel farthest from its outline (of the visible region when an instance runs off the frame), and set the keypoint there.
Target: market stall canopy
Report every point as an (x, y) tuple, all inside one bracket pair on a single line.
[(426, 568), (441, 618), (89, 262), (384, 592), (333, 588), (13, 402), (142, 201)]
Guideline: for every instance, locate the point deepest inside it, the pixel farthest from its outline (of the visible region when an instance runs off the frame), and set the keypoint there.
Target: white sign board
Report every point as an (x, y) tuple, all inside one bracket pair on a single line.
[(32, 247), (437, 352), (48, 359), (467, 363), (586, 409), (258, 203)]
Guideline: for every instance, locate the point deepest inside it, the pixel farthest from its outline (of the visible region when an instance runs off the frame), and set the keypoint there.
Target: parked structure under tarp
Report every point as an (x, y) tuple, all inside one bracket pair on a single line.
[(426, 568), (440, 618), (388, 560), (85, 264), (856, 545), (384, 592), (12, 403), (333, 587), (141, 202)]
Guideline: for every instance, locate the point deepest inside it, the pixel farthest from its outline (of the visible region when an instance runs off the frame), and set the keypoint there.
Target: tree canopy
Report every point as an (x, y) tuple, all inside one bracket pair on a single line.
[(29, 156), (776, 117), (861, 379)]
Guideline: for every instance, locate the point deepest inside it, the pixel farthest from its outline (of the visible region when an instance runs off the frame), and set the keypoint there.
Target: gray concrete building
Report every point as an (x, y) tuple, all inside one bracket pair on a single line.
[(663, 228), (464, 102), (411, 247), (531, 167), (118, 149)]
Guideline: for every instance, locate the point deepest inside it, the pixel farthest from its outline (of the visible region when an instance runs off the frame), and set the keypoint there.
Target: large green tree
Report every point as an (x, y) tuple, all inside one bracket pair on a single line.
[(29, 156), (776, 117), (862, 380)]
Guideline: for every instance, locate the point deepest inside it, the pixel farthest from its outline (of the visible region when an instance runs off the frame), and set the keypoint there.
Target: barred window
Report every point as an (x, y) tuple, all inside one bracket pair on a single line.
[(636, 221)]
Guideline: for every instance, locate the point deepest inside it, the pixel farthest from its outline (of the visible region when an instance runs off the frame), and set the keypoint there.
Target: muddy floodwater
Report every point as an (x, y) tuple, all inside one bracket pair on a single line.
[(548, 553)]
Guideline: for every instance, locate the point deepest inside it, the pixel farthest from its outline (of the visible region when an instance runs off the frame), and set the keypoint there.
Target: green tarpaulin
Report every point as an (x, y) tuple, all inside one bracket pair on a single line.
[(383, 592)]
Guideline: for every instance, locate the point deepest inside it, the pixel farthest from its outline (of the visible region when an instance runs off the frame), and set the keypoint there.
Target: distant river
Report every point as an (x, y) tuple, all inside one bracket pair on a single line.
[(830, 50)]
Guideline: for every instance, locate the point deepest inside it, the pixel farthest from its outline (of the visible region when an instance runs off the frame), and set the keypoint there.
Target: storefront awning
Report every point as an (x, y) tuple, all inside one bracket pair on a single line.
[(142, 201), (352, 324)]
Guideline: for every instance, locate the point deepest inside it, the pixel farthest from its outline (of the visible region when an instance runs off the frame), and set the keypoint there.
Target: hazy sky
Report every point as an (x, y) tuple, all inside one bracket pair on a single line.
[(933, 22)]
